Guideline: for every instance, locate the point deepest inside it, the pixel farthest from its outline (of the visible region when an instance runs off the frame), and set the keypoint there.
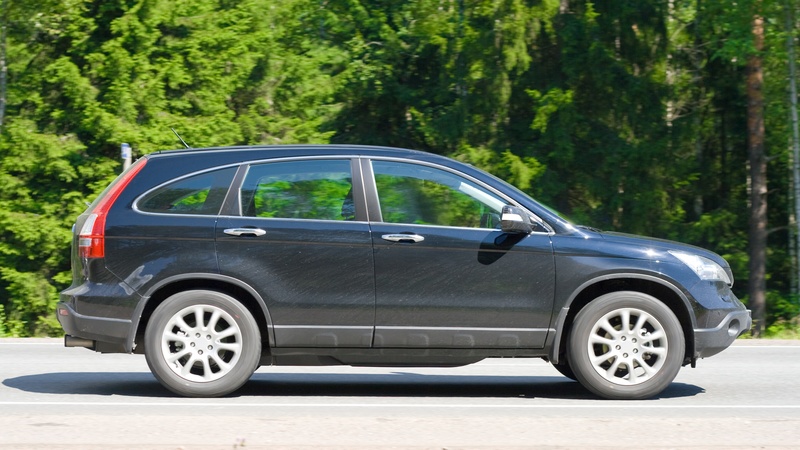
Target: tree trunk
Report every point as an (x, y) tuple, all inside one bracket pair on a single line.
[(794, 244), (758, 177)]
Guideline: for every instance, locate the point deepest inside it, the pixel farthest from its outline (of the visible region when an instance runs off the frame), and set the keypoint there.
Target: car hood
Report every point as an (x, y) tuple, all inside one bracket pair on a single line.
[(641, 247)]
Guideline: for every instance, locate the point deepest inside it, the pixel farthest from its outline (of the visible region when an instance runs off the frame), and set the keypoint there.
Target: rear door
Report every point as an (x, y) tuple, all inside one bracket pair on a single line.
[(303, 243)]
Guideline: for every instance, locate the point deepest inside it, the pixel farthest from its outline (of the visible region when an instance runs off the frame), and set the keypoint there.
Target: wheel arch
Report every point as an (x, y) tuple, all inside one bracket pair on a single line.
[(656, 287), (221, 283)]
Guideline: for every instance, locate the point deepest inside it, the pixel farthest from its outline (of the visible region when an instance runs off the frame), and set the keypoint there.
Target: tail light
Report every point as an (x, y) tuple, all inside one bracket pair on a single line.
[(91, 239)]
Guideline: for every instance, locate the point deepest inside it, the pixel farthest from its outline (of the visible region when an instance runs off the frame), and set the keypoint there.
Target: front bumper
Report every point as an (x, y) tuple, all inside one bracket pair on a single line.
[(710, 341)]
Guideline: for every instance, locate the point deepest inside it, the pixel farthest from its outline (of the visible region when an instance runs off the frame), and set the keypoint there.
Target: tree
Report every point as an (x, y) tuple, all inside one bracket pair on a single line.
[(758, 175), (86, 76), (633, 116), (795, 211)]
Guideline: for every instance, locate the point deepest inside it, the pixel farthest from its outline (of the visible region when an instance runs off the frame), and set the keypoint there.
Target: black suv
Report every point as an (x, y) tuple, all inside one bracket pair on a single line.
[(215, 261)]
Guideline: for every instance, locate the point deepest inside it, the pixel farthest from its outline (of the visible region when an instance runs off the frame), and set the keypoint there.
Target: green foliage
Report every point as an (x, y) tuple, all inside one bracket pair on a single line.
[(626, 116), (783, 316), (519, 171), (37, 203), (784, 329), (86, 76), (305, 199), (721, 231)]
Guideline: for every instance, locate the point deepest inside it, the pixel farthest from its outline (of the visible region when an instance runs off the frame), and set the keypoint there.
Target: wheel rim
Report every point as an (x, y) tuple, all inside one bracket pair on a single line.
[(628, 346), (201, 343)]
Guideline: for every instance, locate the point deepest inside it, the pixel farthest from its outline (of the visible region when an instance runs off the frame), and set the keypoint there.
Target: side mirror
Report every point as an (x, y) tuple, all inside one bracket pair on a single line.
[(514, 220)]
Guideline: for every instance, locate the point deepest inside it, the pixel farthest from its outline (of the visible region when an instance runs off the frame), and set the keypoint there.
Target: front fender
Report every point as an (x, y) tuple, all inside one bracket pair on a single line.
[(667, 292)]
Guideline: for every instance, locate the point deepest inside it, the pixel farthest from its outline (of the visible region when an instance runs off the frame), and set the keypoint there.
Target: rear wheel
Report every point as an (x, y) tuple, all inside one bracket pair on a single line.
[(626, 345), (202, 344)]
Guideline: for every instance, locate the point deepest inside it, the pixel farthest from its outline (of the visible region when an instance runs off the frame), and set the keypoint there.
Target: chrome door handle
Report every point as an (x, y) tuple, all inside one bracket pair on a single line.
[(245, 231), (403, 237)]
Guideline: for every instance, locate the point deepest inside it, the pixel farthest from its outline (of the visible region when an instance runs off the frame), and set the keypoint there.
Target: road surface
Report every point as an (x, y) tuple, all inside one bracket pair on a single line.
[(53, 397)]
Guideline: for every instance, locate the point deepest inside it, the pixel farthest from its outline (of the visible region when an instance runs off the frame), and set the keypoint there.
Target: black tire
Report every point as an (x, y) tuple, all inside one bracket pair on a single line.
[(626, 345), (194, 360)]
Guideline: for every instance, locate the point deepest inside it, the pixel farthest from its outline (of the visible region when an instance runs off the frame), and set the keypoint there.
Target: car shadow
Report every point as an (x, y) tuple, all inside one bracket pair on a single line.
[(394, 384), (135, 384), (404, 384)]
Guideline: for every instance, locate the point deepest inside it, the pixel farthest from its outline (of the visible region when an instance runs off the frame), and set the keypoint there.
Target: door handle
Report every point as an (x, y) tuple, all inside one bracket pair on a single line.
[(245, 231), (403, 237)]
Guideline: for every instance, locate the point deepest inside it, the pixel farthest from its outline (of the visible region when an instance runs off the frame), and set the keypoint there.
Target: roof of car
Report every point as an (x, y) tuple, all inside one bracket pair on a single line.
[(299, 150)]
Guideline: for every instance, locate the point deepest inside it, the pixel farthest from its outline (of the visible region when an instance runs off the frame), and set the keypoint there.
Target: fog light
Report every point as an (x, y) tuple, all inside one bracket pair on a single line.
[(63, 312)]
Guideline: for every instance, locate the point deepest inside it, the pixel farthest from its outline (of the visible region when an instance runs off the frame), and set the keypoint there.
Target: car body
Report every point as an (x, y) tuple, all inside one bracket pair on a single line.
[(215, 261)]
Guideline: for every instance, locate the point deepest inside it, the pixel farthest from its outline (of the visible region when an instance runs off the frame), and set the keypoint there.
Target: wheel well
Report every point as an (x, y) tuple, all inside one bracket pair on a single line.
[(234, 291), (659, 291)]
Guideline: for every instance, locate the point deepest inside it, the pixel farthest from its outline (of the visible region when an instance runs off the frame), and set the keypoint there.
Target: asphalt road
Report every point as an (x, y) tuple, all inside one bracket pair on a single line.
[(53, 397)]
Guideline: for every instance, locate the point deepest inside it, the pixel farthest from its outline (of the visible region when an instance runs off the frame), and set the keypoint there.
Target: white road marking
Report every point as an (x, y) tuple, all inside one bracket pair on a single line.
[(605, 405)]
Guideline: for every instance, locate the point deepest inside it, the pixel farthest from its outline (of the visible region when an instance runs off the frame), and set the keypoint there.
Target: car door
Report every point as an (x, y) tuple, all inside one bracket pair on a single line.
[(302, 241), (445, 276)]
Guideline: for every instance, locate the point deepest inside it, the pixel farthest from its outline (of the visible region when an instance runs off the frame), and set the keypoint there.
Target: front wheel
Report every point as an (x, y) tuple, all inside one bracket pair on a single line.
[(626, 345), (202, 344)]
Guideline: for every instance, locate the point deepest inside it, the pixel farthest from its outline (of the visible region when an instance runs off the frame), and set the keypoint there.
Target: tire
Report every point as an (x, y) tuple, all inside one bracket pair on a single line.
[(625, 346), (192, 359)]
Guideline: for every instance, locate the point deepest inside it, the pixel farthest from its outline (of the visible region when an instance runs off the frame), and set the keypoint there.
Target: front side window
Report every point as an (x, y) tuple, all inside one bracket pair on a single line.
[(417, 194), (313, 189), (197, 194)]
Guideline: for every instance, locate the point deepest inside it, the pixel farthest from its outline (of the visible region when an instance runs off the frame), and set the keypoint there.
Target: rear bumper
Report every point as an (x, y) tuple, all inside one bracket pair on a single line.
[(710, 341), (99, 312), (110, 335)]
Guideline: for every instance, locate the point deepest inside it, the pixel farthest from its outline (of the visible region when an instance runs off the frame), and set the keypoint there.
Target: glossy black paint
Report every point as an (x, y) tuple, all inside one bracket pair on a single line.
[(337, 292), (315, 277), (497, 291)]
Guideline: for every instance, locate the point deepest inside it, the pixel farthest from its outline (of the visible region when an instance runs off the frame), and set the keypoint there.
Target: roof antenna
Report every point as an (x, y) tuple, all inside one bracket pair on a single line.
[(181, 139)]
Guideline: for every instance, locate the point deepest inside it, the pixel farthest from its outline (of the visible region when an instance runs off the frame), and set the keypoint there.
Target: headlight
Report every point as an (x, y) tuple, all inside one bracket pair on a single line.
[(705, 268)]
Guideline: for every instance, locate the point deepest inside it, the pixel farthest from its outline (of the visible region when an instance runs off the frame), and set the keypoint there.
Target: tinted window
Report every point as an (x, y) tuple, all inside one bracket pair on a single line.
[(317, 189), (197, 194), (411, 193)]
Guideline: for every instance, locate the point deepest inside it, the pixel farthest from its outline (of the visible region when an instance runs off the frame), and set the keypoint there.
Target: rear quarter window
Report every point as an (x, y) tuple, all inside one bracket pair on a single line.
[(200, 194)]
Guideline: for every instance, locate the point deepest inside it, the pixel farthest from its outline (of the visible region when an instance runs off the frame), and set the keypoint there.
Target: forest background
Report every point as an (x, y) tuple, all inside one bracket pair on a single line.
[(666, 118)]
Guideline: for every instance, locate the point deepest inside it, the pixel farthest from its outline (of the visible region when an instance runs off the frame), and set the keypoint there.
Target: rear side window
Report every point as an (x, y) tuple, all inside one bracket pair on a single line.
[(315, 189), (200, 194)]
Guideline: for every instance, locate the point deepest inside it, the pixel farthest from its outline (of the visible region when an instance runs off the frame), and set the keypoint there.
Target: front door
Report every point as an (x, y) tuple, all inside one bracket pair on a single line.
[(445, 276)]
